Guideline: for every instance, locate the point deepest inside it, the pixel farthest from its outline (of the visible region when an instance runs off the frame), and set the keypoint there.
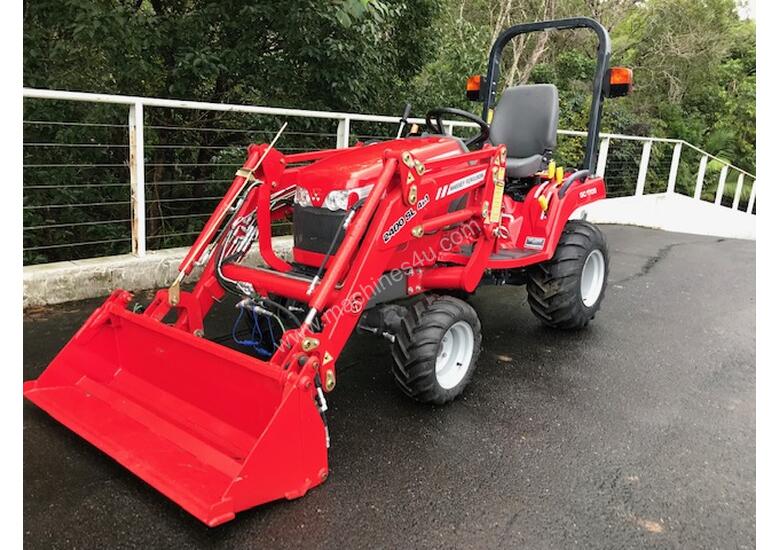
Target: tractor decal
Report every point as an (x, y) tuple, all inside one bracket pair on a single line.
[(393, 230), (458, 185), (534, 243), (398, 225)]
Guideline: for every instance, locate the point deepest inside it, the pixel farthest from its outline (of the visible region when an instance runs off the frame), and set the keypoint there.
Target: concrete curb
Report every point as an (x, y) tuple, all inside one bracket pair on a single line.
[(673, 212), (60, 282)]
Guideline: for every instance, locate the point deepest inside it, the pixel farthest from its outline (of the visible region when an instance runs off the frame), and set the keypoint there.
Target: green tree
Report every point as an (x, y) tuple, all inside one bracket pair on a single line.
[(694, 63), (356, 55)]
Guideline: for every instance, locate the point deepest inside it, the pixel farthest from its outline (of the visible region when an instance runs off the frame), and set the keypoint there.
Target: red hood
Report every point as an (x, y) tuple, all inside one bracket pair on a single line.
[(359, 166)]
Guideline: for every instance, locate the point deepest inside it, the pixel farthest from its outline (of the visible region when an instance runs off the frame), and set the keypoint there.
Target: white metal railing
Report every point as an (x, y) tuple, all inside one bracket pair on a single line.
[(632, 165)]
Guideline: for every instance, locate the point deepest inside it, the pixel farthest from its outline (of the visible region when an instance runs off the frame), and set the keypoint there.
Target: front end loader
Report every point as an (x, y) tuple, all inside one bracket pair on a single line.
[(389, 237)]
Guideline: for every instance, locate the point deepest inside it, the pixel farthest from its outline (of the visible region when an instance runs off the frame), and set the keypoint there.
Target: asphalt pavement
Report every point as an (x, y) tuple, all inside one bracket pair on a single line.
[(636, 432)]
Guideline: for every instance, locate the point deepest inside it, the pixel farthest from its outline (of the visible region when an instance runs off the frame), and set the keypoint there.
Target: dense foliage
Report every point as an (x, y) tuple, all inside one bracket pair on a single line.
[(694, 64)]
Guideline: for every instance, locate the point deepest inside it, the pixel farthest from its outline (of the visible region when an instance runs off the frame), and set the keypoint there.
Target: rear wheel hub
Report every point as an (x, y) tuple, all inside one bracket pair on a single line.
[(592, 278)]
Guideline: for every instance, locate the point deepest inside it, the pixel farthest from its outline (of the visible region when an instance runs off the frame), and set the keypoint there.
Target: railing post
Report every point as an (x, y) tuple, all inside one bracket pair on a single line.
[(721, 185), (448, 128), (674, 167), (643, 164), (342, 134), (137, 183), (700, 177), (738, 192), (601, 165), (752, 199)]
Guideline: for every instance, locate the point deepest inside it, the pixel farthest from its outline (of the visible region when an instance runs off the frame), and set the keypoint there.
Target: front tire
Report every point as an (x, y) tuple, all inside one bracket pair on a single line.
[(436, 349), (566, 291)]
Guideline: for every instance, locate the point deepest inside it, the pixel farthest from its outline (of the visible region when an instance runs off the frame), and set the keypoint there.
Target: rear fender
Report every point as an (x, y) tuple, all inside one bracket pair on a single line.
[(542, 227)]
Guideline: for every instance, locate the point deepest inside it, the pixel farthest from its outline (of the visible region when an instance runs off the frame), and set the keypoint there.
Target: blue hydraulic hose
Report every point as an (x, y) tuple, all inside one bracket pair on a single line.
[(256, 340)]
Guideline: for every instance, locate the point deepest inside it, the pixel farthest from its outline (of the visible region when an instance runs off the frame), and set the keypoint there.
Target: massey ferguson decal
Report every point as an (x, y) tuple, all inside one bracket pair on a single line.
[(458, 185), (393, 230)]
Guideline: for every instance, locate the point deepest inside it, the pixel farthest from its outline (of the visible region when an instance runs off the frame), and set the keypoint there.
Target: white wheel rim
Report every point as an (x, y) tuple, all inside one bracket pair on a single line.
[(592, 279), (454, 356)]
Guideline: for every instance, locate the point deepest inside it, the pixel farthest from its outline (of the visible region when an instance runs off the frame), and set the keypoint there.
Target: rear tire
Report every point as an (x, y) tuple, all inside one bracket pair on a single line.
[(566, 291), (436, 349)]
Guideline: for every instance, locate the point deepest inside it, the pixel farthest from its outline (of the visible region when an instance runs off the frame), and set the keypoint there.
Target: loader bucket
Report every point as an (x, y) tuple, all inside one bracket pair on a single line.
[(214, 430)]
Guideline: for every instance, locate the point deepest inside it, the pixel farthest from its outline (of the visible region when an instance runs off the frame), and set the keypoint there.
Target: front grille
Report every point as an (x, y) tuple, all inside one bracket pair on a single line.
[(314, 228)]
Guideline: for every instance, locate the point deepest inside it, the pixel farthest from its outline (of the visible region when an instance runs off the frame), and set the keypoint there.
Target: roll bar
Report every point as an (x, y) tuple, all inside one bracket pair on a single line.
[(602, 66)]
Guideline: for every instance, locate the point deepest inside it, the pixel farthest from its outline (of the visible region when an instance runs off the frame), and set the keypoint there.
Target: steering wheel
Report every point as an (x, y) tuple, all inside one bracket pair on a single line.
[(434, 123)]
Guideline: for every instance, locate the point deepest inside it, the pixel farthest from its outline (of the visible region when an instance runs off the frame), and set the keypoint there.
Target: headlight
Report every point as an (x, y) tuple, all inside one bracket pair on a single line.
[(302, 197), (346, 198), (337, 200)]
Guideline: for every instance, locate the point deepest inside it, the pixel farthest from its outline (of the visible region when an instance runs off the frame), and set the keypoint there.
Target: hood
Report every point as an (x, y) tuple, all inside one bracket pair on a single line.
[(359, 166)]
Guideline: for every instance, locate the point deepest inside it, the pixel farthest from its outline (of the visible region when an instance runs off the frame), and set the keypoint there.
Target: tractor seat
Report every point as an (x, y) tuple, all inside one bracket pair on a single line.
[(526, 121)]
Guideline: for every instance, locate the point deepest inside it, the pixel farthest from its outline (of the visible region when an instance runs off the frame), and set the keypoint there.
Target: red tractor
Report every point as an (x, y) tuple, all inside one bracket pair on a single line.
[(389, 238)]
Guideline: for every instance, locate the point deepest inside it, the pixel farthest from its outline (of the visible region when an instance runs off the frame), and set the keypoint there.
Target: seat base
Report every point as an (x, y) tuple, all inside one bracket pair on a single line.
[(517, 168)]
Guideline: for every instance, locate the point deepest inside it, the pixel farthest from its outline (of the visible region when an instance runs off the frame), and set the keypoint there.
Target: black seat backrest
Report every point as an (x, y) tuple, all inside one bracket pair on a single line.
[(526, 120)]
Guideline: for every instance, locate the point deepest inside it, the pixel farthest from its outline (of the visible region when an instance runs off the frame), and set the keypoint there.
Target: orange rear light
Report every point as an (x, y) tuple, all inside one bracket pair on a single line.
[(474, 87), (621, 82), (621, 75)]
